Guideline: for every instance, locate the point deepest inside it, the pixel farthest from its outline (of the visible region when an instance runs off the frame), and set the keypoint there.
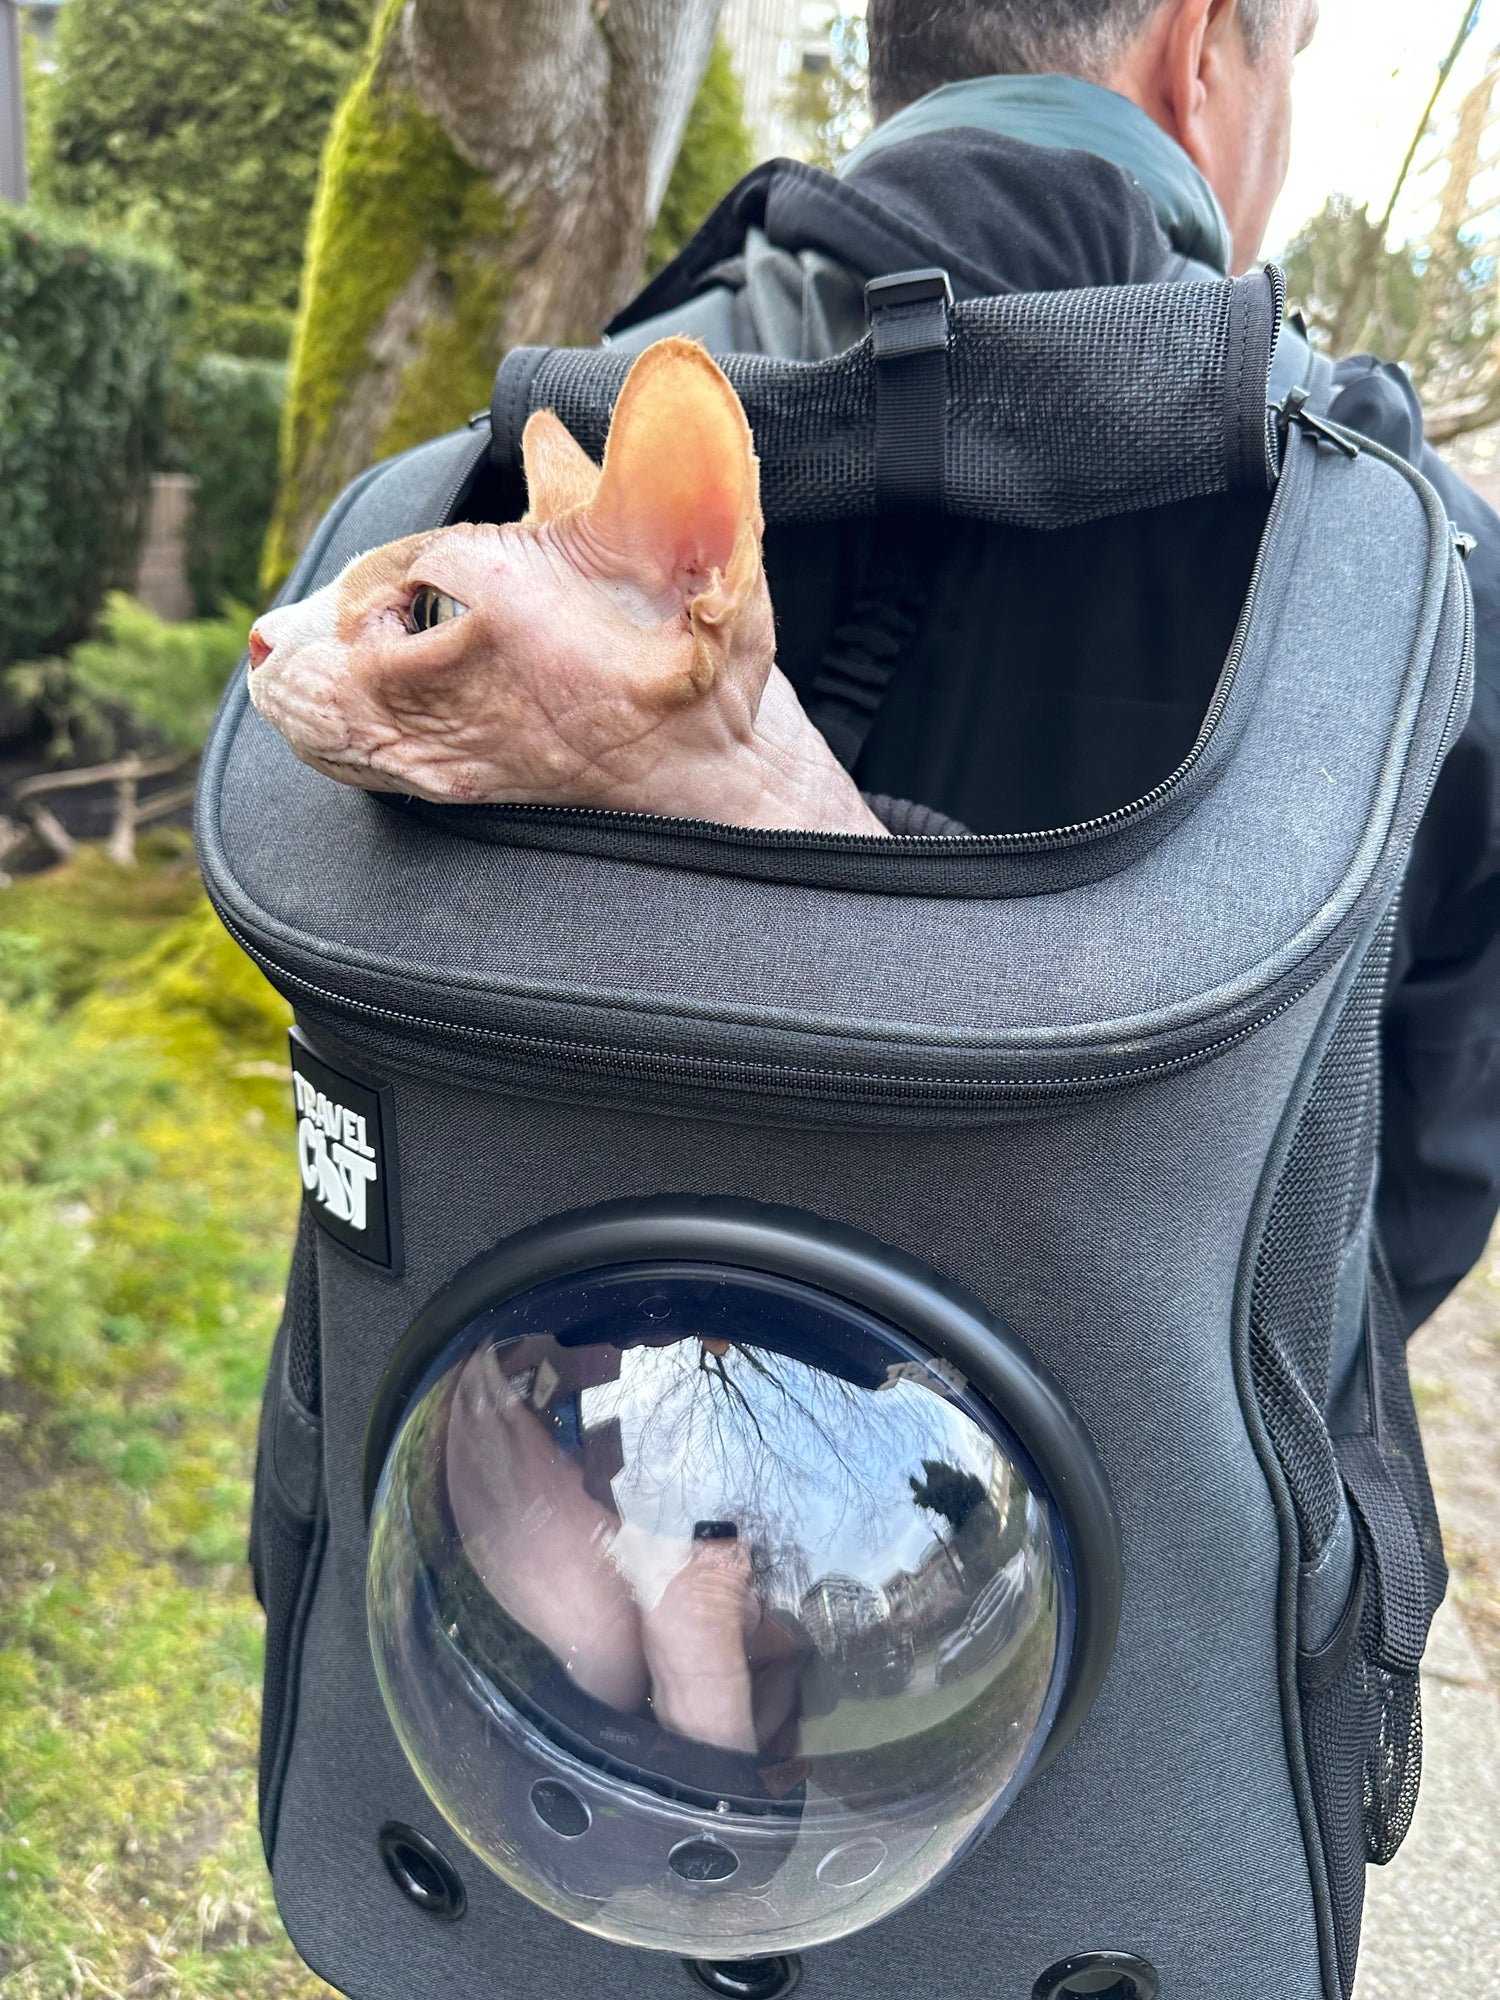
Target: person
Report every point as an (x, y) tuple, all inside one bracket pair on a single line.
[(699, 1646), (1041, 145)]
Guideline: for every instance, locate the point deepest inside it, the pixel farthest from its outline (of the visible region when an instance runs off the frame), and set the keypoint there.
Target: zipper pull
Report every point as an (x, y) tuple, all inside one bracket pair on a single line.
[(1465, 544), (1293, 410)]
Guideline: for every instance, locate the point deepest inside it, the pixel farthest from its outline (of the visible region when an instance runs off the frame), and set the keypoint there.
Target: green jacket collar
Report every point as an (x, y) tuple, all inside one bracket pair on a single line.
[(1067, 112)]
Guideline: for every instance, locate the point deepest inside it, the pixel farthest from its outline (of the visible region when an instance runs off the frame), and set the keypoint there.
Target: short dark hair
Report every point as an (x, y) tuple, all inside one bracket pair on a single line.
[(916, 45)]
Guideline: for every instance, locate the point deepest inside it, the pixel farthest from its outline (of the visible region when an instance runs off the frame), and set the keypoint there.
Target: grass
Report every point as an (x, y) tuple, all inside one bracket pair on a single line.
[(64, 933), (147, 1196)]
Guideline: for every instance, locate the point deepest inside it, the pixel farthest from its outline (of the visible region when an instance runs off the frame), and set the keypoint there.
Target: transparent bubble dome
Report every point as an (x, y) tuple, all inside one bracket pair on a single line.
[(712, 1616)]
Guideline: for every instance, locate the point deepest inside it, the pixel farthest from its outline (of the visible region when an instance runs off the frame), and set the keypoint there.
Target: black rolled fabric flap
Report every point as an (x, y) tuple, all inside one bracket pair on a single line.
[(1064, 407)]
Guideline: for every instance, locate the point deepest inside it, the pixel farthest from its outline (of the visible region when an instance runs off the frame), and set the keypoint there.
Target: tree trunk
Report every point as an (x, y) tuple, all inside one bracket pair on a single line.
[(489, 181)]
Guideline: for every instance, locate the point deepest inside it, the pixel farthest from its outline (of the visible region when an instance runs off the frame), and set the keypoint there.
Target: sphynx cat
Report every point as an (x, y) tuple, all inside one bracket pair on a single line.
[(702, 1653), (616, 648)]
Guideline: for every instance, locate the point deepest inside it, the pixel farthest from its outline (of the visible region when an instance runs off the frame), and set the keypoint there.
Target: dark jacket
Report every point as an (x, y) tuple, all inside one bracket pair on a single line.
[(780, 268)]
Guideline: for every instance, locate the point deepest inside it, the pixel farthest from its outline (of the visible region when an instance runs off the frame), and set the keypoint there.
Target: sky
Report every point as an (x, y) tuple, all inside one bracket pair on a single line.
[(1358, 92)]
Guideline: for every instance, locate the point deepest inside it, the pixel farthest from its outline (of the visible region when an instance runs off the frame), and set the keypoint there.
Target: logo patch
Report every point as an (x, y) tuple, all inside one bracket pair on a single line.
[(343, 1154)]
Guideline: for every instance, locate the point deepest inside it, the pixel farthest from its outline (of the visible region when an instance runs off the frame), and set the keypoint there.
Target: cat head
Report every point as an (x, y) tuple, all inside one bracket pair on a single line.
[(502, 662)]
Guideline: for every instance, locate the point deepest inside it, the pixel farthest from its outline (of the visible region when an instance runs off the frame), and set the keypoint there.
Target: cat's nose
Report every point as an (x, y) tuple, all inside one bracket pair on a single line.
[(260, 647)]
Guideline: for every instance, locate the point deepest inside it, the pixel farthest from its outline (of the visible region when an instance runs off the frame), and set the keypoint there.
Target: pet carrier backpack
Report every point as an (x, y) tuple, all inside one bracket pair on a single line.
[(959, 1242)]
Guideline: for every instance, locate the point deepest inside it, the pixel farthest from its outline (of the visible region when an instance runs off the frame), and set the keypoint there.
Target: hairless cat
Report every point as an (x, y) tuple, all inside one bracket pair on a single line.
[(616, 648)]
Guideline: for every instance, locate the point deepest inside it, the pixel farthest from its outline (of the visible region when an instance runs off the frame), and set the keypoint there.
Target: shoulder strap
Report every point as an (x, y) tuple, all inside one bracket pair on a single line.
[(721, 237)]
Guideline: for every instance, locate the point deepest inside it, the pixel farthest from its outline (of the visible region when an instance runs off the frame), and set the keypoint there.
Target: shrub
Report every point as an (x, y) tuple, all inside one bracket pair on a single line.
[(134, 1198), (141, 675), (225, 422), (147, 1194), (198, 124), (85, 331)]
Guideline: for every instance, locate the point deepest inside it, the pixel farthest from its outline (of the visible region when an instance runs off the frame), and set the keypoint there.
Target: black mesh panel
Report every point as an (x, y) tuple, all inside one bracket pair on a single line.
[(1341, 1720), (304, 1363), (1400, 1439), (283, 1542), (1360, 1698), (1064, 407), (1319, 1200)]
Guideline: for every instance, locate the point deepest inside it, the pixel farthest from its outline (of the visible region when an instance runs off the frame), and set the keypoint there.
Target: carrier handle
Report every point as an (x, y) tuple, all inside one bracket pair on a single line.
[(1041, 411)]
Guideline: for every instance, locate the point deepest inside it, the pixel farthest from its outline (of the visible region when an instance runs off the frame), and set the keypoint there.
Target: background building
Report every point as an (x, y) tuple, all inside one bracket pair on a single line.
[(774, 42)]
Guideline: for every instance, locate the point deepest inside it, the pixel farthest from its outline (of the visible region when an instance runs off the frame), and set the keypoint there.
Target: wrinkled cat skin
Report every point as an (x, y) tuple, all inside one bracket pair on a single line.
[(614, 649)]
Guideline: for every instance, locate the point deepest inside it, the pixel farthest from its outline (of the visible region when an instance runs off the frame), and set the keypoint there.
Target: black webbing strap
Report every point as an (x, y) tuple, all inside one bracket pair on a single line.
[(510, 404), (883, 617), (1392, 1553), (908, 315)]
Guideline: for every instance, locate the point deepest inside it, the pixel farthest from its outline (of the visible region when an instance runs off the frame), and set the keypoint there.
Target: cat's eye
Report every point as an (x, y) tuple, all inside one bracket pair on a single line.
[(431, 607)]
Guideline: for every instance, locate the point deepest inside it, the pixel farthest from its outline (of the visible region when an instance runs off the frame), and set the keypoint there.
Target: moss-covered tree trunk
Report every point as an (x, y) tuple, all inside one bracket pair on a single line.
[(489, 180)]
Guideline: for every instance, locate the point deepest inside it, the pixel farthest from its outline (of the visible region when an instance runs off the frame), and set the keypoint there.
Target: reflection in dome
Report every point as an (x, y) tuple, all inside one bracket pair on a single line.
[(726, 1561)]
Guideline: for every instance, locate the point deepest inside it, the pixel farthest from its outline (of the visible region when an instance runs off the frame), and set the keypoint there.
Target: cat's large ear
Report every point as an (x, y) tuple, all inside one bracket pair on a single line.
[(560, 475), (679, 500)]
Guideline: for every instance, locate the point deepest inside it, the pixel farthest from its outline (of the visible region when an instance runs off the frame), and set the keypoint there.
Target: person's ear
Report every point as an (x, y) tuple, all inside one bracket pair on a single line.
[(1190, 72), (560, 475), (679, 499)]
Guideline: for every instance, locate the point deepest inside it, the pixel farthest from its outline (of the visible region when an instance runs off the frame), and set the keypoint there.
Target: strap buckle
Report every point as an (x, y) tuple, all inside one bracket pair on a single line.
[(908, 312), (908, 288)]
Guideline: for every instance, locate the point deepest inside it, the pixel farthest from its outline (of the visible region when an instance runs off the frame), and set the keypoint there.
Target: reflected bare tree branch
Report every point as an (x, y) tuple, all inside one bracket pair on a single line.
[(772, 1434)]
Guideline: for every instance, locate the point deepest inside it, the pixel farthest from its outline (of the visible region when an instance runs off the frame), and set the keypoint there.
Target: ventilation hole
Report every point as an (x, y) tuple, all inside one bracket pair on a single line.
[(421, 1871), (559, 1808), (703, 1861), (1098, 1975), (747, 1978), (855, 1862)]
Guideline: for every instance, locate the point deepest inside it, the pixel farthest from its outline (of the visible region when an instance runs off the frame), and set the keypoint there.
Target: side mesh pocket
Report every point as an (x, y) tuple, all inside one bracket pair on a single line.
[(287, 1522), (1385, 1473), (1369, 1557)]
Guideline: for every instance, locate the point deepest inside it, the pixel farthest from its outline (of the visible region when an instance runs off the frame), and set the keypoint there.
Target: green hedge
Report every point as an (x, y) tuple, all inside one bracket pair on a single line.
[(86, 328), (225, 421), (197, 124)]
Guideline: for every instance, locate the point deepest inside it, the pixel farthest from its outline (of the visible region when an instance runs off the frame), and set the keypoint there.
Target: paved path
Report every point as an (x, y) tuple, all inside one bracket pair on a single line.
[(1432, 1918), (1432, 1924)]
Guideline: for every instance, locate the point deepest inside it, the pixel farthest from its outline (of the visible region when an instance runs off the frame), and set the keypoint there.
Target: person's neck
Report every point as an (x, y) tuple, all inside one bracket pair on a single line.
[(1068, 113)]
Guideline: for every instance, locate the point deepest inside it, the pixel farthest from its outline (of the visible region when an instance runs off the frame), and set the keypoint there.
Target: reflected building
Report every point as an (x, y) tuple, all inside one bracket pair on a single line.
[(839, 1612), (772, 42), (923, 1600)]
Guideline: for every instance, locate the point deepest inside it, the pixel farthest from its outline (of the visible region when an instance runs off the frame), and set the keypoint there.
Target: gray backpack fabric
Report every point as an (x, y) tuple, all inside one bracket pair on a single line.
[(1117, 1079)]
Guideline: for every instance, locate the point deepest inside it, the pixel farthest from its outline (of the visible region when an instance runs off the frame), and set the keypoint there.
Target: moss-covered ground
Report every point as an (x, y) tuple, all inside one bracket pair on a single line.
[(147, 1194)]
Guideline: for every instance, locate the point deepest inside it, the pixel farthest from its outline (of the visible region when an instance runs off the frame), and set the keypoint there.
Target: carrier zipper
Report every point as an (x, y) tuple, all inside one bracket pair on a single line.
[(827, 1082), (1463, 687), (1293, 410), (464, 477), (1051, 840), (802, 1079)]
